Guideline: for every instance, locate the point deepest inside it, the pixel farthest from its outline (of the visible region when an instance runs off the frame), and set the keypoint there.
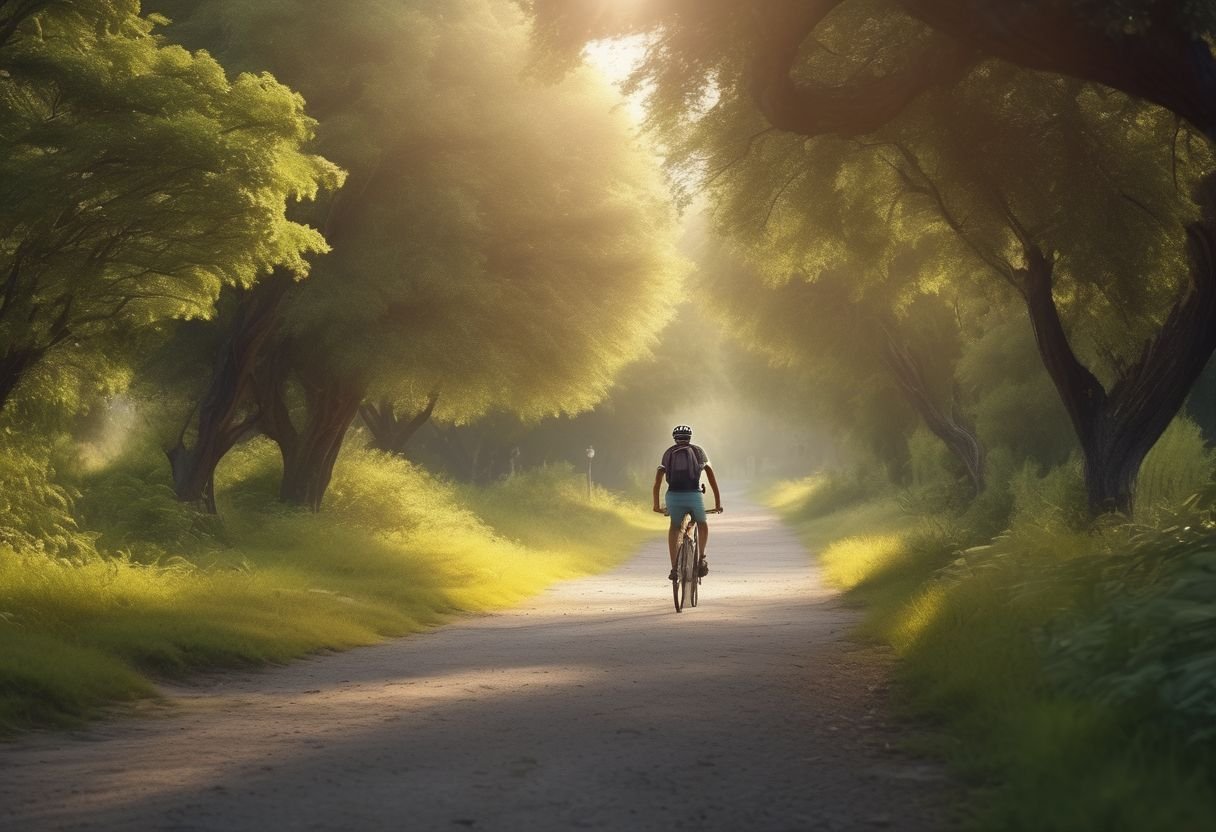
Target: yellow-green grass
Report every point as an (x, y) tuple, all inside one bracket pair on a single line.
[(970, 629), (395, 551)]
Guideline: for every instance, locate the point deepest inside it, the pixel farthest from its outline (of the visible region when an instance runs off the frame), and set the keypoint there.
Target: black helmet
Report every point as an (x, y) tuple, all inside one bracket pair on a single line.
[(681, 433)]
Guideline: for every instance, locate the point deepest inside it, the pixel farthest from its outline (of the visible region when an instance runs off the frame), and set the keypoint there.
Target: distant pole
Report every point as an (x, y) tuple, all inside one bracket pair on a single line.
[(590, 456)]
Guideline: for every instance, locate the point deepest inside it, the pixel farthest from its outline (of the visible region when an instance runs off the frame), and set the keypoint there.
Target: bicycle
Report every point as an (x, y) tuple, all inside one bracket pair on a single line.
[(684, 585)]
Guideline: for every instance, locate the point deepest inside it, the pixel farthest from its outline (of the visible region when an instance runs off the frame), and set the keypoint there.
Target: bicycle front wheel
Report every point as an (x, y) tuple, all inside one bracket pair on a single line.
[(684, 563), (695, 570), (688, 572)]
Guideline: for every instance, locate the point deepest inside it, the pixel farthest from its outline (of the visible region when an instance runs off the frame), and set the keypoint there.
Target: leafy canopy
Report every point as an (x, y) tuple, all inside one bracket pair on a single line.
[(138, 180), (505, 242)]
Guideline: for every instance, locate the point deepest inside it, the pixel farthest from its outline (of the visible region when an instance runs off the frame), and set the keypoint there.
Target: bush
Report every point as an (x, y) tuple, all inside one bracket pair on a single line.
[(1073, 668), (1179, 465), (37, 513), (132, 507), (823, 493), (1149, 645), (1049, 502)]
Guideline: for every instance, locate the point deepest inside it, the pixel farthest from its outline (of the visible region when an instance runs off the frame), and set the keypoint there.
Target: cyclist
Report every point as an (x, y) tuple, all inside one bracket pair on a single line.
[(682, 464)]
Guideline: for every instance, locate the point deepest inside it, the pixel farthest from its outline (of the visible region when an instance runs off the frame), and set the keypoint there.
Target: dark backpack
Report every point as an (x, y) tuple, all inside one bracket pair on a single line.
[(684, 471)]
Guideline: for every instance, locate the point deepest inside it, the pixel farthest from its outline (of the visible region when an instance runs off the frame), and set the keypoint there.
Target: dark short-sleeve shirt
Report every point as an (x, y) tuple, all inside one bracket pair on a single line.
[(702, 460)]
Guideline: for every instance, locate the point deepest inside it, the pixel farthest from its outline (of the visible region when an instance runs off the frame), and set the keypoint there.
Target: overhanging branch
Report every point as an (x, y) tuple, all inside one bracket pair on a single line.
[(852, 109)]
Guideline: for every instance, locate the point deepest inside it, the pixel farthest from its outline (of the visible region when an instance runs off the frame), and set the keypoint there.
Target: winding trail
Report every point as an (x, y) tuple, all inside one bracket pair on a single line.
[(567, 713)]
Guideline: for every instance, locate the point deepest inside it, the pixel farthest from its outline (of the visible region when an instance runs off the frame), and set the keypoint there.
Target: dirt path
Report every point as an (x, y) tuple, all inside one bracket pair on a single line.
[(569, 712)]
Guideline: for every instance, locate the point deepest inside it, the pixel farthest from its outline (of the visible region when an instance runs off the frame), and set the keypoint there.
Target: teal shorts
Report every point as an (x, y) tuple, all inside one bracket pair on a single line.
[(680, 503)]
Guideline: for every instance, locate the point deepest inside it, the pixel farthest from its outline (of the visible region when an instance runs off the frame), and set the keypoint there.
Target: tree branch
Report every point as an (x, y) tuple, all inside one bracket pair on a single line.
[(853, 109)]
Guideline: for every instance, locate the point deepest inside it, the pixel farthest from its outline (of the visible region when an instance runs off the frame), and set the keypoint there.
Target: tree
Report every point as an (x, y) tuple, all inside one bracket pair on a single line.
[(1140, 293), (138, 180), (501, 243), (783, 54), (391, 430), (853, 339), (719, 93)]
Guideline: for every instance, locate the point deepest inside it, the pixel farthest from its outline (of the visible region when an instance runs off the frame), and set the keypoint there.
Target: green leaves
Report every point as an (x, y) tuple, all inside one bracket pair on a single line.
[(502, 241), (138, 180)]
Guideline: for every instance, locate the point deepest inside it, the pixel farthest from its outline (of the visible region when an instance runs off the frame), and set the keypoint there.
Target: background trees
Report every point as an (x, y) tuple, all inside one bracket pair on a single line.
[(833, 133), (484, 248)]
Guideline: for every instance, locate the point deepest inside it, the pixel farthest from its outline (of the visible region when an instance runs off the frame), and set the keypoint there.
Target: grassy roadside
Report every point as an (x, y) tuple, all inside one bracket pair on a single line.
[(1056, 662), (155, 590)]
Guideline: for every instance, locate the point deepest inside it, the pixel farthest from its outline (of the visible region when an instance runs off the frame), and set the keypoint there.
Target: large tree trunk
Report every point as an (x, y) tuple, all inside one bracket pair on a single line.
[(950, 426), (391, 431), (1117, 428), (221, 421), (309, 467), (309, 454)]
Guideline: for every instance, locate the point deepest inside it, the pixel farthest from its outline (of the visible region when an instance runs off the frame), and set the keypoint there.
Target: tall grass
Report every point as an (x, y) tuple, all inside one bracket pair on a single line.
[(1071, 669), (168, 591)]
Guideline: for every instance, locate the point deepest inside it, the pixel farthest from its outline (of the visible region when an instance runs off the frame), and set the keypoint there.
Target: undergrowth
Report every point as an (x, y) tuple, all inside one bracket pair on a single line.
[(1073, 670), (130, 585)]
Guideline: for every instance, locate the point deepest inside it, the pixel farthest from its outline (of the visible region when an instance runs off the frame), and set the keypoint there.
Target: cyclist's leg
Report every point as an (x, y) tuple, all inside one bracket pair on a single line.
[(676, 513), (697, 510)]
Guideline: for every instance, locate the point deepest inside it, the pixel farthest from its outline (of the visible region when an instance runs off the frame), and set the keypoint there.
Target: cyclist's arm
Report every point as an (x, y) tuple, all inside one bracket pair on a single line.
[(713, 483), (658, 483)]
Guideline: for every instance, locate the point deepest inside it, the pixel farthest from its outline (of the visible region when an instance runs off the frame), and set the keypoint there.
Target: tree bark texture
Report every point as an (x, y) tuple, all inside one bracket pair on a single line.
[(221, 421), (951, 426), (309, 453), (391, 431), (1118, 427)]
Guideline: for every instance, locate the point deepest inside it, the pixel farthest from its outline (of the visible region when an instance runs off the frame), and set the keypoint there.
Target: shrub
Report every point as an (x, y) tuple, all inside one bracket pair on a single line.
[(823, 493), (132, 507), (1149, 644), (1178, 465), (36, 512)]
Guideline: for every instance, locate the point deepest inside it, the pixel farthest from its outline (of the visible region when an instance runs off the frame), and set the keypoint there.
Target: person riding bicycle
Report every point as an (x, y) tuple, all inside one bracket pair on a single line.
[(682, 464)]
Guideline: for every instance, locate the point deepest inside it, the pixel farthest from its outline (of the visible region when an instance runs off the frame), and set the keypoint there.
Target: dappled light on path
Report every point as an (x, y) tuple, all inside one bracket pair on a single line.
[(594, 705)]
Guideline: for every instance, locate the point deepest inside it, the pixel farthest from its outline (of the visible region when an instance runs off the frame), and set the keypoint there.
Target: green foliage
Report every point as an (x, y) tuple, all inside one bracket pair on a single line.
[(1015, 406), (1071, 669), (133, 509), (864, 231), (36, 510), (139, 180), (1049, 501), (1150, 648), (504, 242), (1179, 465), (935, 486), (823, 493), (398, 552)]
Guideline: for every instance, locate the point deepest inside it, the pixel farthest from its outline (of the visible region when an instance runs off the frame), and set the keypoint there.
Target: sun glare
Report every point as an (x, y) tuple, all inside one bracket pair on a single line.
[(615, 59)]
